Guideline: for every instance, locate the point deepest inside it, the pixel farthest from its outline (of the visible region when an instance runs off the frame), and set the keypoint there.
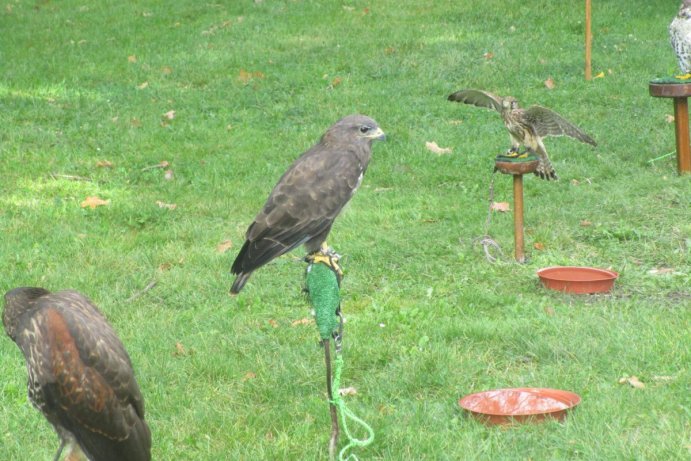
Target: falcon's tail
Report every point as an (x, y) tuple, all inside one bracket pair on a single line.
[(545, 170)]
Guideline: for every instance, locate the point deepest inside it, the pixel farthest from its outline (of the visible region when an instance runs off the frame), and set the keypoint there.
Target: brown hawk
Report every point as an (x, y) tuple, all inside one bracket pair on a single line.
[(80, 376), (309, 196), (526, 127), (680, 36)]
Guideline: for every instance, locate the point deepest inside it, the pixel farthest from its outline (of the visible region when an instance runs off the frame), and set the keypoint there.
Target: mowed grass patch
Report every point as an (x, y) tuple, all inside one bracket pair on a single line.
[(429, 319)]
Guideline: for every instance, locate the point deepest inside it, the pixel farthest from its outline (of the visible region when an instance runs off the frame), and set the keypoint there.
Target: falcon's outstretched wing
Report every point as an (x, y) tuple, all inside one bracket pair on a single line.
[(546, 122), (478, 98)]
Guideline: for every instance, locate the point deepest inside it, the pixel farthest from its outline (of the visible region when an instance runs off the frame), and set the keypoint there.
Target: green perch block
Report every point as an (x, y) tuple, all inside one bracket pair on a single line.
[(323, 291)]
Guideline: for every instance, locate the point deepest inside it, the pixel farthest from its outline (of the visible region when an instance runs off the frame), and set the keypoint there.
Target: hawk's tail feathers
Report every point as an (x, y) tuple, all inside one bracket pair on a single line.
[(239, 282)]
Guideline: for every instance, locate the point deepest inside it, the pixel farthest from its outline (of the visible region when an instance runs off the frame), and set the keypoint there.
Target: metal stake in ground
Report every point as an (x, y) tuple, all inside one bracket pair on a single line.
[(517, 166)]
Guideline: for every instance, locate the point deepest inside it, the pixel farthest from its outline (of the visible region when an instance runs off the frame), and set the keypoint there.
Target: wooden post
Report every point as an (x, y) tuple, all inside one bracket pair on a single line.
[(333, 440), (679, 92), (588, 40), (681, 131), (518, 218)]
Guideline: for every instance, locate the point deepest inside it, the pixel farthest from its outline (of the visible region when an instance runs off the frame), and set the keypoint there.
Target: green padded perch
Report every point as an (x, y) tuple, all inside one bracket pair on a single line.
[(323, 291), (528, 156)]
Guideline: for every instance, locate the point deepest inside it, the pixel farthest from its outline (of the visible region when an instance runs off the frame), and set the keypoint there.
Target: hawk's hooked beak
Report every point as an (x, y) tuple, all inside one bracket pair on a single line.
[(377, 135)]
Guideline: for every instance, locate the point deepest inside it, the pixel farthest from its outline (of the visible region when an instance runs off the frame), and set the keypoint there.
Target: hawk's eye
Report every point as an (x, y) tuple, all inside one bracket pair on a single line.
[(364, 129)]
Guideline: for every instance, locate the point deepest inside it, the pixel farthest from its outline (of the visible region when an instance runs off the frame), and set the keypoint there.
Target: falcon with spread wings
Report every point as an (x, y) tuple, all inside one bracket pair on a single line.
[(526, 127), (309, 196), (80, 376)]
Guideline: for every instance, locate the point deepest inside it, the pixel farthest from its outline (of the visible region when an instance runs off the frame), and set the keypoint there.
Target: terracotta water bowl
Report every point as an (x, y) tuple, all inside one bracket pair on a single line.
[(518, 405), (572, 279)]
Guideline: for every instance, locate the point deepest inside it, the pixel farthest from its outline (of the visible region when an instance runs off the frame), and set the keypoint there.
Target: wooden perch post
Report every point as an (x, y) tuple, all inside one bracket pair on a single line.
[(588, 40), (679, 92), (517, 168), (518, 227)]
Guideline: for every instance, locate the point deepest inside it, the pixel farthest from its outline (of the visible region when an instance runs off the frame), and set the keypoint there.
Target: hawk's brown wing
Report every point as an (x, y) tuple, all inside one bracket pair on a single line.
[(477, 98), (86, 377), (546, 122)]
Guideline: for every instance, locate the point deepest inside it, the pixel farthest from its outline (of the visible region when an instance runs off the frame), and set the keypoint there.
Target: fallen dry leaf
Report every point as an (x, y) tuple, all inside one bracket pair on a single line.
[(143, 85), (104, 164), (489, 55), (434, 147), (549, 310), (502, 207), (549, 83), (224, 246), (246, 77), (335, 82), (161, 164), (586, 223), (249, 375), (669, 118), (93, 202), (539, 246), (170, 115), (632, 381), (455, 122), (273, 323), (131, 58), (168, 175), (346, 391), (179, 349), (305, 321), (170, 206), (600, 75), (166, 70), (661, 271)]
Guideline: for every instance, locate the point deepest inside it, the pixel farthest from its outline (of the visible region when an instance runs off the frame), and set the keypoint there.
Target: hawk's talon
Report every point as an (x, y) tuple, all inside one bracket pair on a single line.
[(329, 258)]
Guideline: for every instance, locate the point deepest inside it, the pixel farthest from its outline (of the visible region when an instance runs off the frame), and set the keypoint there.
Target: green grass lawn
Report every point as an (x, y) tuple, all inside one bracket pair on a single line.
[(252, 85)]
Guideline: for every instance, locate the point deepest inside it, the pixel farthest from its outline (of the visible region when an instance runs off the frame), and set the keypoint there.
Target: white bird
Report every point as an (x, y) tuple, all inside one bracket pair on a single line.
[(680, 36)]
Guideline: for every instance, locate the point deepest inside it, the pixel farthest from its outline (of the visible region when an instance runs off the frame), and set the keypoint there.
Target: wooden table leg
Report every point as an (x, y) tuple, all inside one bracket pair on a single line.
[(518, 218), (681, 129)]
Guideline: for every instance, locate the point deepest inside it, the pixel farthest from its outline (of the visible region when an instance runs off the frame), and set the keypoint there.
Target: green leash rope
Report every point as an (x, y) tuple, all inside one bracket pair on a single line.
[(347, 414), (323, 287)]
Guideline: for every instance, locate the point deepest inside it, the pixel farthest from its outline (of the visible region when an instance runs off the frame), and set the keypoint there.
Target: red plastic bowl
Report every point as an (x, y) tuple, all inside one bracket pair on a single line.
[(571, 279), (523, 404)]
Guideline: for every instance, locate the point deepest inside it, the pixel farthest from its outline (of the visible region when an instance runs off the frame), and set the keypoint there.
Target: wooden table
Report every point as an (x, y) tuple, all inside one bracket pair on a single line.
[(679, 92)]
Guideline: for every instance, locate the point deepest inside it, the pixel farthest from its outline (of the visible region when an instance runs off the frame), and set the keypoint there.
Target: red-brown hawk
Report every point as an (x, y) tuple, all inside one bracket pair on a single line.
[(80, 376)]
